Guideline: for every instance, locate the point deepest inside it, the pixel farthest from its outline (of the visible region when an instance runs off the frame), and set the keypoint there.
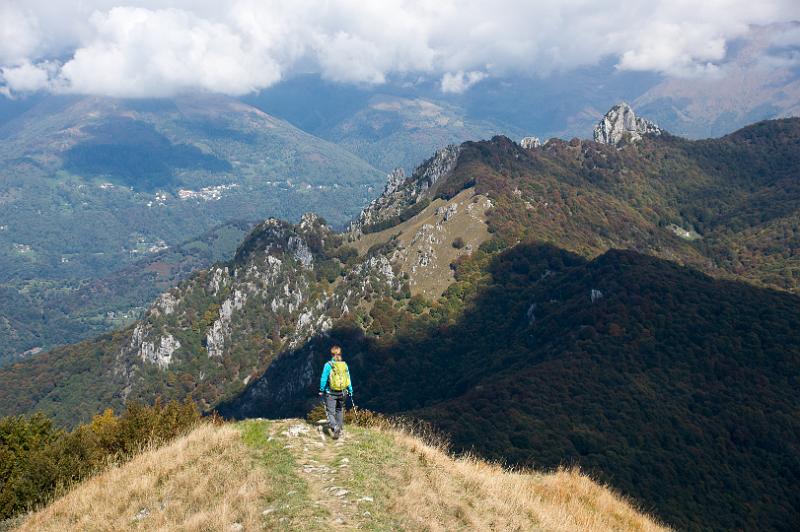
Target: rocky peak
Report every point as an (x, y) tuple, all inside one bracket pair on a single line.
[(530, 142), (621, 123), (441, 164), (311, 221), (401, 193), (275, 237), (394, 180)]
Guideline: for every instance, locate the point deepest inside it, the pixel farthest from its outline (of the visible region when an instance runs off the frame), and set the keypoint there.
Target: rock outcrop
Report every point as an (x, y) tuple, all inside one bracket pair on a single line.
[(400, 193), (158, 351), (530, 142), (620, 124), (394, 180)]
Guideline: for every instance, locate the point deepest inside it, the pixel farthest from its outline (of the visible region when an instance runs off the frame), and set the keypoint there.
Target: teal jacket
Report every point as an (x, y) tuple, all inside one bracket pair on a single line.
[(326, 373)]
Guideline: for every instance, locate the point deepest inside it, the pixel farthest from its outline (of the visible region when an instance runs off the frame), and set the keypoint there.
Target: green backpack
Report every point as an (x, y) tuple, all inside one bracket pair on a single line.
[(339, 376)]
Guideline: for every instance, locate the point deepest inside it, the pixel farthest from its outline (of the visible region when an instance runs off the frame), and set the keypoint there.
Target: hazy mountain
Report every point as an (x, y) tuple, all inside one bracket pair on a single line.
[(390, 123), (392, 131), (761, 79), (90, 185), (391, 126)]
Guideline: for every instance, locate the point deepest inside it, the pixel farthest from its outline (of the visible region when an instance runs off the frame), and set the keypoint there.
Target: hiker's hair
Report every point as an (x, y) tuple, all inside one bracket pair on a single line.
[(336, 350)]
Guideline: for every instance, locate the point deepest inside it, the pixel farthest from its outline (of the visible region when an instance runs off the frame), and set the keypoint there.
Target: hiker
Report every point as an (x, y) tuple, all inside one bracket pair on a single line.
[(335, 387)]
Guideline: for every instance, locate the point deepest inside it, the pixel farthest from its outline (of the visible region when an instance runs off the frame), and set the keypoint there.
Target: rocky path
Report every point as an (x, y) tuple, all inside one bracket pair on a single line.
[(322, 463)]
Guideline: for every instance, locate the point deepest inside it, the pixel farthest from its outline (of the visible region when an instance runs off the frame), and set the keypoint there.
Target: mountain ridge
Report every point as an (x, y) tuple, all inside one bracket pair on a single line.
[(93, 184), (499, 224)]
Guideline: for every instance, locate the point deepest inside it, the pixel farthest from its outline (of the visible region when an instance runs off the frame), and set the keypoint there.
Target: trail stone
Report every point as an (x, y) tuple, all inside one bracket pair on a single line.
[(297, 430)]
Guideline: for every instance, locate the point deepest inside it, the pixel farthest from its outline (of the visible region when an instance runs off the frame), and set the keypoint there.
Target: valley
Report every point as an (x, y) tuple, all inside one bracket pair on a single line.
[(90, 184), (92, 187)]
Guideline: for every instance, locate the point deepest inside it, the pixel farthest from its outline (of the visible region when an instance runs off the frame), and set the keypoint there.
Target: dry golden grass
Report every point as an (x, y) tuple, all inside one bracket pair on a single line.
[(204, 481), (438, 492), (214, 479)]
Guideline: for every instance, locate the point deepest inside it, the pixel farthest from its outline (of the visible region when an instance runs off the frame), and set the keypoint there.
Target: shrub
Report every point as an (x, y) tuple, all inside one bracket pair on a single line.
[(316, 414), (347, 255), (366, 418), (38, 460), (352, 416), (329, 270), (417, 304)]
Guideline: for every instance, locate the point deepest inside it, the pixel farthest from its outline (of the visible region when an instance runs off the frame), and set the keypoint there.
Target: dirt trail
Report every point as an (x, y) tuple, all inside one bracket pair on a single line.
[(322, 464)]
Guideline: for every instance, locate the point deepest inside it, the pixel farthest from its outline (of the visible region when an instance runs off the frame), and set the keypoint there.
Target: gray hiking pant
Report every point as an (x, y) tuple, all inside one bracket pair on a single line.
[(334, 408)]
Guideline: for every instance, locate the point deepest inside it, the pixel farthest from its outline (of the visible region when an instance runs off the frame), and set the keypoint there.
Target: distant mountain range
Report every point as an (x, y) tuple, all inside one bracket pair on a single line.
[(397, 124), (89, 186), (760, 79), (629, 307)]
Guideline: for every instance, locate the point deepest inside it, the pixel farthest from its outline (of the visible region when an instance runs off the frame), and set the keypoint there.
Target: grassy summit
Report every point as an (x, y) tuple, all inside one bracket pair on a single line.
[(284, 475)]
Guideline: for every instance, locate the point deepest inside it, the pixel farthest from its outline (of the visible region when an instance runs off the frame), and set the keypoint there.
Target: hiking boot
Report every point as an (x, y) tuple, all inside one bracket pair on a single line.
[(337, 433)]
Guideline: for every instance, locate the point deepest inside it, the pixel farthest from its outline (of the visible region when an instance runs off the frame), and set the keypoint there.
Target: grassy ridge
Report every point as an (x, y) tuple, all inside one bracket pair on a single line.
[(279, 475)]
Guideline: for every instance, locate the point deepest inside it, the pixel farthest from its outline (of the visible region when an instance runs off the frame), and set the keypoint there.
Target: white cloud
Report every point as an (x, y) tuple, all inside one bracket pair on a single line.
[(460, 81), (18, 34), (786, 35), (163, 47), (26, 77), (139, 52)]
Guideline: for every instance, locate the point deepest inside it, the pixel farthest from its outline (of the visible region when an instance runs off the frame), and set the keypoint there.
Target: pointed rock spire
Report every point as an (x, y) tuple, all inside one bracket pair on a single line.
[(620, 123)]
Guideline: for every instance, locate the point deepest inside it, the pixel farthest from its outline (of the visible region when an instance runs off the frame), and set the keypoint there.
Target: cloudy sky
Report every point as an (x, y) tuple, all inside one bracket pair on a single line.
[(161, 48)]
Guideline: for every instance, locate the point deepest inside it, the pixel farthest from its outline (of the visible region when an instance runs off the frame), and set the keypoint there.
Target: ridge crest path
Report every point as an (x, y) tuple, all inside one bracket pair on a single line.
[(322, 464)]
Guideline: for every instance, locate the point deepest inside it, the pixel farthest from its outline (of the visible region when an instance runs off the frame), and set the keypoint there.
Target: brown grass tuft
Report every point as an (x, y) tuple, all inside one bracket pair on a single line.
[(443, 493), (203, 481)]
